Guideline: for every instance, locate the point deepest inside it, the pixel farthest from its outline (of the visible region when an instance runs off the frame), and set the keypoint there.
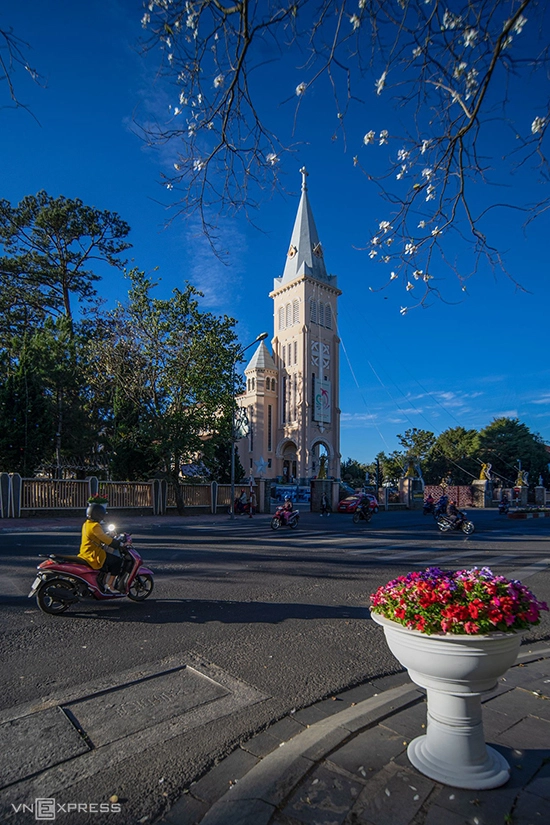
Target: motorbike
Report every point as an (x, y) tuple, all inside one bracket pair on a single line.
[(440, 507), (445, 523), (64, 580), (362, 514), (428, 508), (503, 508), (240, 507), (279, 519)]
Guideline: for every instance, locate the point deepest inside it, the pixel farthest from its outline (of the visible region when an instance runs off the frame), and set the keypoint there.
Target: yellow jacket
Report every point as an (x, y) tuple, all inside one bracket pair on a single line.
[(90, 546)]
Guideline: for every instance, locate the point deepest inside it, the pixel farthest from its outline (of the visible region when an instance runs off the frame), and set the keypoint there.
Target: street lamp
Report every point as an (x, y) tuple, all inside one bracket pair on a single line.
[(261, 337)]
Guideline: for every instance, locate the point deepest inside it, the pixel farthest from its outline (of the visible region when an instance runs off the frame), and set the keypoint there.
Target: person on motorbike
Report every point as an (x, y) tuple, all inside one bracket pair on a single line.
[(91, 550), (452, 511), (365, 508), (287, 509), (441, 506), (429, 501), (240, 504)]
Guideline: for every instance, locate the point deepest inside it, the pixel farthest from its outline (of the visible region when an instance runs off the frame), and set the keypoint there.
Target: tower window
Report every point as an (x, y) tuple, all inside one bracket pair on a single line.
[(269, 424), (284, 356), (328, 316), (289, 315), (313, 311), (283, 400), (296, 312), (321, 314), (295, 352), (281, 317)]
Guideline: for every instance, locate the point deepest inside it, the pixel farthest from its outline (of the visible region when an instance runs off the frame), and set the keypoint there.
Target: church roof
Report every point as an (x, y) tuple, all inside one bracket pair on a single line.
[(305, 254), (261, 359)]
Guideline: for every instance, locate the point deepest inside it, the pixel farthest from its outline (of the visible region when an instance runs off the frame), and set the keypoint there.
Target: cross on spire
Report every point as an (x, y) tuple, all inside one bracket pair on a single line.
[(305, 173)]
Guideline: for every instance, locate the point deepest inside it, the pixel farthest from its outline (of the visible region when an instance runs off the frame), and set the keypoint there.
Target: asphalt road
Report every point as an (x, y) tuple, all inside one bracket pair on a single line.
[(278, 618)]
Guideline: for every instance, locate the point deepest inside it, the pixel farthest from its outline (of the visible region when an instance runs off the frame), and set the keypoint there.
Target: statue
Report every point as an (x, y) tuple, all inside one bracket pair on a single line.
[(322, 467), (413, 468), (523, 479), (485, 474)]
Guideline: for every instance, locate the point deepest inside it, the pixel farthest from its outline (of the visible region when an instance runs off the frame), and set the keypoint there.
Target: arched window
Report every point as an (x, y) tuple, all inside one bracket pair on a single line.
[(281, 317), (273, 384), (296, 312), (321, 314), (313, 310), (289, 315), (253, 383), (328, 316)]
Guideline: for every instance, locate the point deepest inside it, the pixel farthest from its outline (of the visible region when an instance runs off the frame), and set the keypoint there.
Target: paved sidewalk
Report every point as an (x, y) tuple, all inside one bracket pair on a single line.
[(343, 761)]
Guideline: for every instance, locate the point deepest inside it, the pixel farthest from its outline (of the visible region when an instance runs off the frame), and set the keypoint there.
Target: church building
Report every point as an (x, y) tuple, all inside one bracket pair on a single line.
[(292, 393)]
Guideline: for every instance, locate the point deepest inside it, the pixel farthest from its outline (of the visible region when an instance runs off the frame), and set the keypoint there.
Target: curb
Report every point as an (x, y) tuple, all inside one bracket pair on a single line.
[(528, 515)]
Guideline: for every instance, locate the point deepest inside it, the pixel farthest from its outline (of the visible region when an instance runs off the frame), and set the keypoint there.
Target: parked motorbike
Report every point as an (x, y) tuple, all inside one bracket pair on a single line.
[(445, 523), (503, 508), (279, 519), (65, 580), (362, 514)]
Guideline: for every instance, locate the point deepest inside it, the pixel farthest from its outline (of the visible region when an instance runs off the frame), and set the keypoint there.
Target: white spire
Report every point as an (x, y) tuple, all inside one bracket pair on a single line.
[(305, 254)]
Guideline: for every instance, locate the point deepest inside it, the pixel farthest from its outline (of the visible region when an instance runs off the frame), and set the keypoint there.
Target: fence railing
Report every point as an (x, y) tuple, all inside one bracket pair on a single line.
[(53, 494), (195, 495), (127, 494)]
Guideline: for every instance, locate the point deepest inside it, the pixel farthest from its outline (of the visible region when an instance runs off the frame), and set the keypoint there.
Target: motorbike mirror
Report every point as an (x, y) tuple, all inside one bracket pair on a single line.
[(111, 528)]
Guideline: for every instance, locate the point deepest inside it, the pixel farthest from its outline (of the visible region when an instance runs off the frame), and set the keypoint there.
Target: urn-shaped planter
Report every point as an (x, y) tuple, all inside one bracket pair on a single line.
[(456, 670)]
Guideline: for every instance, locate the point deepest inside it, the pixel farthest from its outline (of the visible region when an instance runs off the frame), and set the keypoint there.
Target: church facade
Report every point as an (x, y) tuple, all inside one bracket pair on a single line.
[(292, 393)]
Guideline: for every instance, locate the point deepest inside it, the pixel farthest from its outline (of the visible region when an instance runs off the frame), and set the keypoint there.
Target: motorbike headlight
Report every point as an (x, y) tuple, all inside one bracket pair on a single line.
[(111, 528)]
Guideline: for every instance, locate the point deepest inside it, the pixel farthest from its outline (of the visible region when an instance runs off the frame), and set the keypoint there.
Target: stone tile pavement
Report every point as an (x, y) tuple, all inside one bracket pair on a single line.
[(343, 761)]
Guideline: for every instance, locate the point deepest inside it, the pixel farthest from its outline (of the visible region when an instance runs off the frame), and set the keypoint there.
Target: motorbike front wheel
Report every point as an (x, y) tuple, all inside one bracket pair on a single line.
[(141, 588), (275, 523), (356, 517), (294, 523), (48, 597), (468, 527)]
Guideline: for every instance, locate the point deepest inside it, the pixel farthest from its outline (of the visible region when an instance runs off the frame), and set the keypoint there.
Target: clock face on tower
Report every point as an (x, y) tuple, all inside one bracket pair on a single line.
[(320, 351)]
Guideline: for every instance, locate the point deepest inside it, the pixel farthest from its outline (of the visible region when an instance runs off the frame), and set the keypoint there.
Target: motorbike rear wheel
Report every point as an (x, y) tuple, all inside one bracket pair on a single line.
[(356, 517), (275, 523), (444, 525), (468, 527), (141, 588), (48, 601)]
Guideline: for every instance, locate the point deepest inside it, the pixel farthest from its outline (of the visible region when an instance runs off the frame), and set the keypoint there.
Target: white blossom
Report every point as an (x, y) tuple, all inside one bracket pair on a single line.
[(430, 193), (404, 310), (362, 4), (145, 19), (402, 155), (169, 185), (436, 231), (471, 83), (183, 99), (177, 167), (386, 259), (177, 110), (507, 42), (272, 158), (425, 144), (369, 137), (380, 83), (427, 277), (355, 21), (417, 274), (422, 225), (218, 81), (300, 88), (409, 286), (428, 173), (519, 24), (376, 241), (373, 253), (459, 70), (393, 276), (389, 242), (383, 137), (450, 21), (470, 37), (417, 52), (402, 172), (384, 226), (538, 125), (410, 249), (198, 165)]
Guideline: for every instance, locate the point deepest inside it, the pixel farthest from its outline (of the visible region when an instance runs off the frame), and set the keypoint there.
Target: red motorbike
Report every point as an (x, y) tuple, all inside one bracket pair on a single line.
[(65, 580), (280, 518)]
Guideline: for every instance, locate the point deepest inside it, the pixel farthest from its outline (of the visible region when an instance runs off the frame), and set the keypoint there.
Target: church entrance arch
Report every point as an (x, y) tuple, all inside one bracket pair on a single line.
[(320, 459), (290, 462)]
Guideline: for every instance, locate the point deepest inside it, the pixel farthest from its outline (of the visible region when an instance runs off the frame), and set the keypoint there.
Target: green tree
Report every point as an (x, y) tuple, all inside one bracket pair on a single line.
[(417, 443), (454, 454), (49, 245), (505, 442), (353, 472), (392, 466), (169, 366)]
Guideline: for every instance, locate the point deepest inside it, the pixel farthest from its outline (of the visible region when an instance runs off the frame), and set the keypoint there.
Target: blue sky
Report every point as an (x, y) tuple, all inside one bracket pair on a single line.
[(483, 354)]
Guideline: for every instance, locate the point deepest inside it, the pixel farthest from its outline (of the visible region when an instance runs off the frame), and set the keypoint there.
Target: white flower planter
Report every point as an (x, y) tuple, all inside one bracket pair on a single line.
[(455, 670)]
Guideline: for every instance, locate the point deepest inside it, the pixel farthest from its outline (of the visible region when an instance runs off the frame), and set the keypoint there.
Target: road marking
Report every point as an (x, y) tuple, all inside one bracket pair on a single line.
[(525, 572)]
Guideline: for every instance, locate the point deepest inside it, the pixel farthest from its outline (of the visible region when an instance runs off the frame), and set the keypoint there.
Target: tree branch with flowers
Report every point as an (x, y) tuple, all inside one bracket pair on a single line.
[(456, 71)]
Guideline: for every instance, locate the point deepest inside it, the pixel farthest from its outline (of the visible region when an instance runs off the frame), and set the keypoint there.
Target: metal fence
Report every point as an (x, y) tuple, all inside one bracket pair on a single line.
[(52, 494), (127, 494), (195, 495)]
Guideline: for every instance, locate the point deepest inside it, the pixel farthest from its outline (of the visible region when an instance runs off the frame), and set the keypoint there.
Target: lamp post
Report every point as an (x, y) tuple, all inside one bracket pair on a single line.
[(261, 337)]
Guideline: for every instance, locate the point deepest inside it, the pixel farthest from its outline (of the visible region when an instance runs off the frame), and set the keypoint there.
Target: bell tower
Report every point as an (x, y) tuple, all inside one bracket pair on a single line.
[(292, 396)]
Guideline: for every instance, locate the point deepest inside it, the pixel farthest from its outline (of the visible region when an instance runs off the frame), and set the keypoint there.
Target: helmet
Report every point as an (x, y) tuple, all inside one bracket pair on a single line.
[(96, 512), (287, 498)]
